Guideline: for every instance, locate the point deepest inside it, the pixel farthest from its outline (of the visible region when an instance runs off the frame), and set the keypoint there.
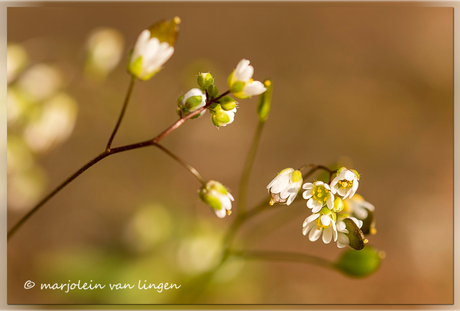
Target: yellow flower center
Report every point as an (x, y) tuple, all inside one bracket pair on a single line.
[(320, 193), (345, 184)]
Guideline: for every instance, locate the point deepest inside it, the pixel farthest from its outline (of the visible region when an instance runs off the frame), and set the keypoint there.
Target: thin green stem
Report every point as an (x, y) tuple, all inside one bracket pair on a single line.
[(122, 113), (190, 168), (285, 256), (244, 180)]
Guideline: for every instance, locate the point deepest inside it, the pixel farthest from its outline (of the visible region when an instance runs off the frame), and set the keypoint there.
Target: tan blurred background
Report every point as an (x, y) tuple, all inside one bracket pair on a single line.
[(371, 86)]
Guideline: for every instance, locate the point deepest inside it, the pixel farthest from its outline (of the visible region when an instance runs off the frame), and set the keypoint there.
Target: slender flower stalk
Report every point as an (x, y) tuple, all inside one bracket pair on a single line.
[(244, 180), (122, 113), (105, 154)]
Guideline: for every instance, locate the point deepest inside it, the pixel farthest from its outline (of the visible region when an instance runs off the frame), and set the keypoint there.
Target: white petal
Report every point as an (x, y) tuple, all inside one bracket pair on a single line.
[(341, 226), (330, 200), (349, 175), (316, 206), (308, 227), (310, 219), (327, 235), (314, 234), (220, 213), (230, 196), (334, 231), (291, 199), (308, 194), (281, 184), (367, 205), (343, 192), (307, 185), (327, 187), (254, 88), (342, 240), (142, 40), (318, 183), (326, 220), (311, 203)]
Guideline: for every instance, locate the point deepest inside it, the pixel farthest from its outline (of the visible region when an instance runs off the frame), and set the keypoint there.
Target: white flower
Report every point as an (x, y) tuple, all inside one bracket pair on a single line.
[(241, 83), (217, 197), (148, 56), (318, 194), (343, 239), (345, 183), (321, 223), (221, 117), (284, 187), (358, 206), (190, 102)]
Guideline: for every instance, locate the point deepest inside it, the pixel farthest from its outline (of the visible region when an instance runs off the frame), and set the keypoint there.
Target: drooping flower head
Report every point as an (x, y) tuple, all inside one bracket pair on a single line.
[(217, 197), (153, 48), (345, 183), (190, 102), (284, 187), (321, 223), (318, 194), (241, 83)]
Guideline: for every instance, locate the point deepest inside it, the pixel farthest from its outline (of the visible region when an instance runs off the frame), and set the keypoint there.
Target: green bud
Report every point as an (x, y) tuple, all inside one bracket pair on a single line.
[(136, 67), (212, 91), (219, 118), (205, 80), (193, 101), (338, 205), (263, 106), (227, 103), (166, 31), (360, 263)]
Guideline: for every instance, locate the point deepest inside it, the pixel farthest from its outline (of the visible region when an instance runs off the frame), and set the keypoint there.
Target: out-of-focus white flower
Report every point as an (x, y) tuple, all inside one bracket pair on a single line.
[(345, 183), (343, 239), (40, 82), (241, 83), (55, 124), (321, 223), (318, 194), (190, 102), (104, 50), (153, 48), (358, 206), (217, 197), (16, 60), (284, 187)]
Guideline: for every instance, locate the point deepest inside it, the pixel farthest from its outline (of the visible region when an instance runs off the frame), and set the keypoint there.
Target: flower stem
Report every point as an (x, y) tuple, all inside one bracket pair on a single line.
[(110, 151), (122, 113), (190, 168), (244, 181), (285, 256)]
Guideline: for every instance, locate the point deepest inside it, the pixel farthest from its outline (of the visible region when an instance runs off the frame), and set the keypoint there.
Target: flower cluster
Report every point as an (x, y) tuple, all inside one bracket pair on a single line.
[(221, 107), (337, 213)]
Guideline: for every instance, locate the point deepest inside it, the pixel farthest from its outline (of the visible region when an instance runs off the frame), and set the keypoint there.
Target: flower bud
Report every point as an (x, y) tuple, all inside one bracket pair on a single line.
[(205, 80), (212, 91), (241, 83), (217, 197), (221, 117), (263, 106), (360, 263), (190, 102), (227, 103), (153, 48)]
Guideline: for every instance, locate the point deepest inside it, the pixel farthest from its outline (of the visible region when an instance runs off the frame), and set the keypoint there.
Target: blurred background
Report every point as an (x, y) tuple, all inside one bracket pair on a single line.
[(367, 86)]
